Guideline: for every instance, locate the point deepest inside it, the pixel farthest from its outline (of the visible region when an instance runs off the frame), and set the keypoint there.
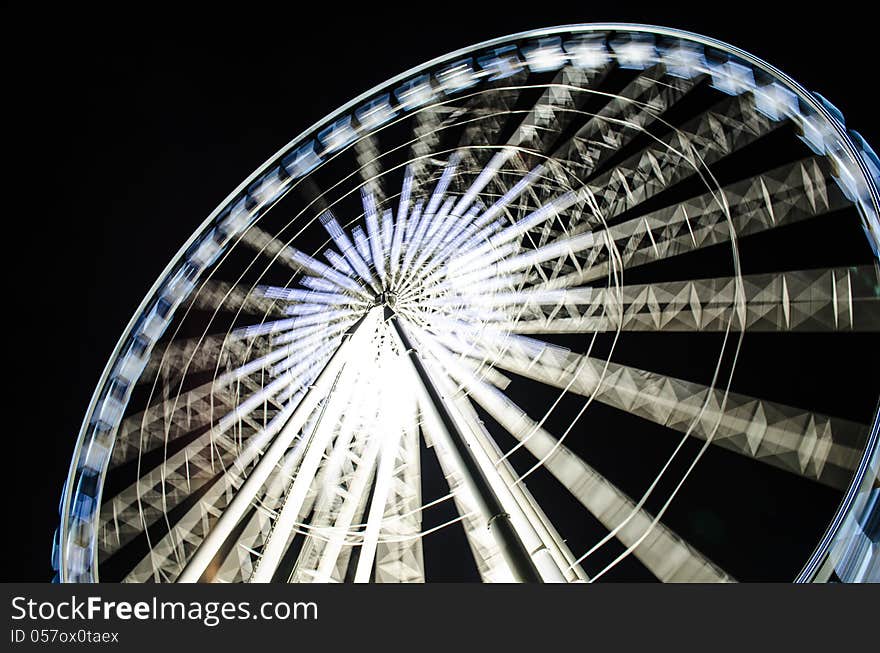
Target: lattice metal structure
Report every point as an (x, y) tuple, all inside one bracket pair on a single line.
[(545, 308)]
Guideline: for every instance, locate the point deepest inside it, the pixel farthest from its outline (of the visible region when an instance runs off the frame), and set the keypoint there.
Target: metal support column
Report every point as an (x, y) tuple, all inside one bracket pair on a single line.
[(521, 563)]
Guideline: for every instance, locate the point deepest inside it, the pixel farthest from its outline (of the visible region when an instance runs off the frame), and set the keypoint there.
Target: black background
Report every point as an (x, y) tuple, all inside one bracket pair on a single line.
[(128, 126)]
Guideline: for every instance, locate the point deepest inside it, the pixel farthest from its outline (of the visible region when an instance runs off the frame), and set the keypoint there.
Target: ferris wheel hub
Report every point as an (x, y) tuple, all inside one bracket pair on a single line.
[(387, 298)]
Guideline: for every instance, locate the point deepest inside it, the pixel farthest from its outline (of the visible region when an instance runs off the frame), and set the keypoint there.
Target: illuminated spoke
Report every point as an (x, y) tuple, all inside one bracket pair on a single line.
[(664, 553), (800, 441)]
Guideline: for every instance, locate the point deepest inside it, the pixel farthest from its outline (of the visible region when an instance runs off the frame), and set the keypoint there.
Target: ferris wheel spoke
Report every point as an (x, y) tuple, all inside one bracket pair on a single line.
[(838, 299), (556, 109), (369, 159), (352, 256), (635, 107), (290, 329), (239, 563), (300, 262), (734, 124), (466, 203), (471, 264), (468, 243), (485, 115), (166, 419), (168, 556), (727, 128), (663, 552), (135, 509), (708, 139), (209, 352), (782, 196), (254, 481), (429, 119), (157, 490), (491, 109), (451, 223), (627, 113), (234, 298), (400, 224), (431, 218), (803, 442), (379, 234)]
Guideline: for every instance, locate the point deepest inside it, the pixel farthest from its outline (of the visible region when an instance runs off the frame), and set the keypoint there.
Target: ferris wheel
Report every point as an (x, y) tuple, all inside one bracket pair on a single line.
[(597, 302)]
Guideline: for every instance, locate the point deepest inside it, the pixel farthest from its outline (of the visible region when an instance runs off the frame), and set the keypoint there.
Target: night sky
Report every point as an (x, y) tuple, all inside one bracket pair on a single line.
[(127, 129)]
